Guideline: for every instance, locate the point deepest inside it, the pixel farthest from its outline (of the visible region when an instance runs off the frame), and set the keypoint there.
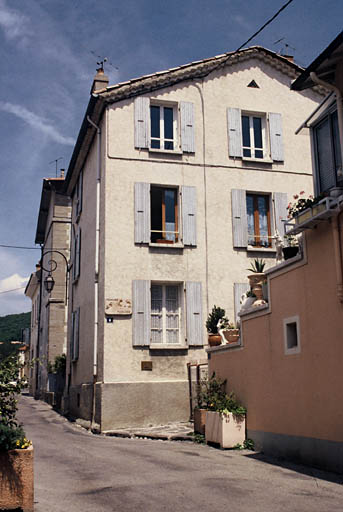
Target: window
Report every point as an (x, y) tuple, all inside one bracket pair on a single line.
[(160, 211), (163, 127), (77, 254), (165, 314), (75, 335), (291, 335), (328, 153), (78, 195), (258, 218), (253, 136), (164, 215)]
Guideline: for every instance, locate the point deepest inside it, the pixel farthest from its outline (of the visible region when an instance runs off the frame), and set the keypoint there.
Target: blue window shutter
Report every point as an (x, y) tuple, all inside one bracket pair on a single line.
[(239, 218), (77, 334), (142, 213), (142, 122), (78, 254), (189, 224), (187, 127), (195, 332), (141, 307), (239, 290), (275, 133), (234, 126), (281, 212)]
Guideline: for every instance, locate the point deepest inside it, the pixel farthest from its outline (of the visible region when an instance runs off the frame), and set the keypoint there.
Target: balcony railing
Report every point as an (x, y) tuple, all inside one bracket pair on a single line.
[(311, 217)]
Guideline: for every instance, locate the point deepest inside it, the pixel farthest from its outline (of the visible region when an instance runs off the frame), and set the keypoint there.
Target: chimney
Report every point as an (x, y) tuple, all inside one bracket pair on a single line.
[(38, 267), (100, 80), (62, 173)]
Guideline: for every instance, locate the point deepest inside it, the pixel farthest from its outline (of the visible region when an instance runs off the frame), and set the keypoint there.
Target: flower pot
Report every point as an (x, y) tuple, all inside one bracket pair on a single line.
[(224, 429), (256, 281), (232, 335), (199, 421), (290, 252), (214, 340), (16, 484), (303, 216)]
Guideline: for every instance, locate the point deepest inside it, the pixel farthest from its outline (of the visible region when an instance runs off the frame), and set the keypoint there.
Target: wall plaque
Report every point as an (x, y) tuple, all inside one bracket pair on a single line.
[(146, 366), (118, 307)]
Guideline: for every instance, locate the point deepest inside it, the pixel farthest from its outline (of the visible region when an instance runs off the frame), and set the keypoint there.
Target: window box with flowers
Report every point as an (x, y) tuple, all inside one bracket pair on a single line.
[(308, 212)]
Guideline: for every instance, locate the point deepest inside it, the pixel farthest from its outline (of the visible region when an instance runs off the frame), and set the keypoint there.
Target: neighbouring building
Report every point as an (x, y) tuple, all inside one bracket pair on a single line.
[(49, 309), (287, 371), (178, 181)]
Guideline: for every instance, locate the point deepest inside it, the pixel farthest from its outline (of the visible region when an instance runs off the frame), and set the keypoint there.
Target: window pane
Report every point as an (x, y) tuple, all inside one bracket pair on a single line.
[(250, 216), (258, 153), (155, 121), (337, 147), (324, 156), (156, 314), (263, 220), (257, 123), (246, 131), (156, 197), (168, 123), (169, 199), (155, 144), (172, 336)]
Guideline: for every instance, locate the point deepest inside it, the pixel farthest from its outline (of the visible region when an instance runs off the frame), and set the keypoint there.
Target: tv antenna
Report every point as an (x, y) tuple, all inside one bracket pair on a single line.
[(55, 161), (284, 46), (102, 61)]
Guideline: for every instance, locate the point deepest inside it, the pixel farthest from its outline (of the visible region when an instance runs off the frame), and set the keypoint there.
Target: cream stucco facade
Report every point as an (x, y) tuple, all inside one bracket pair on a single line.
[(108, 382)]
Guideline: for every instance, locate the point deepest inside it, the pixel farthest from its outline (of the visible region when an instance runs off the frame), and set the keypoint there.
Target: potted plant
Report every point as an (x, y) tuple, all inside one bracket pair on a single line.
[(217, 316), (232, 333), (56, 379), (304, 208), (291, 248), (256, 279), (16, 452), (225, 417)]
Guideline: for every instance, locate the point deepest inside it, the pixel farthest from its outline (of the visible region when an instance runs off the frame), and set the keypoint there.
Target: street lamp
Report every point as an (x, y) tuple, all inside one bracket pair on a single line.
[(49, 281)]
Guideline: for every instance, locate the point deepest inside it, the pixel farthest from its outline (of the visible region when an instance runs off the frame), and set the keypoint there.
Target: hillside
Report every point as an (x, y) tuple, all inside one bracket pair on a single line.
[(10, 330)]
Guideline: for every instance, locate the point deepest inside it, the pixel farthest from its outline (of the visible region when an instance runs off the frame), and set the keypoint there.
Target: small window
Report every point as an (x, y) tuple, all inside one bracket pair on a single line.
[(78, 195), (163, 120), (165, 314), (258, 218), (291, 335), (253, 136), (164, 215)]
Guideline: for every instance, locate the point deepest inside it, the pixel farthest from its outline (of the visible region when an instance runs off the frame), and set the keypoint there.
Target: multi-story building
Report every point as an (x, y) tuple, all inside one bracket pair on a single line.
[(32, 291), (178, 181), (49, 308)]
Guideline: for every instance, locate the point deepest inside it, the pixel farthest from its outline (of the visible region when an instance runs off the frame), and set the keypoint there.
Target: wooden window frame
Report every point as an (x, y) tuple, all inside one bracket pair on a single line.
[(163, 240), (266, 197)]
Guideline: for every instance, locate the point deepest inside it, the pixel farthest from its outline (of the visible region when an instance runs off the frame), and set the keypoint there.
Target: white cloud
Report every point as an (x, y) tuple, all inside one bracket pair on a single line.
[(12, 283), (14, 24), (37, 122), (13, 302)]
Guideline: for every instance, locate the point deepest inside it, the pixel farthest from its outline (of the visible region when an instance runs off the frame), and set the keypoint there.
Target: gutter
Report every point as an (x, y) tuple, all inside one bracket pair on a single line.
[(96, 266)]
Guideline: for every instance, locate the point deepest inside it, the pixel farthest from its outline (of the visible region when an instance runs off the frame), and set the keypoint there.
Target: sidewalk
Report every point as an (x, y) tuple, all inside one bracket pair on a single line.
[(169, 432)]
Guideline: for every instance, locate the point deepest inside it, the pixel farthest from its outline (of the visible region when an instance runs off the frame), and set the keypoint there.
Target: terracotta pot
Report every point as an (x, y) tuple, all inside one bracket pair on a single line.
[(199, 421), (16, 484), (232, 335), (214, 340), (256, 281)]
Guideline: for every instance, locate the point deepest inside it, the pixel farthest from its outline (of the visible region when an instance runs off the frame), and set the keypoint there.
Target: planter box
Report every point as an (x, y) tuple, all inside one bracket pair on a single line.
[(226, 430), (16, 484), (199, 421)]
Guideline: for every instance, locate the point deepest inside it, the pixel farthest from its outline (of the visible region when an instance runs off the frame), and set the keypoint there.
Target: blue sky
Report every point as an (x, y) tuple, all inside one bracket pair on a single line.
[(47, 67)]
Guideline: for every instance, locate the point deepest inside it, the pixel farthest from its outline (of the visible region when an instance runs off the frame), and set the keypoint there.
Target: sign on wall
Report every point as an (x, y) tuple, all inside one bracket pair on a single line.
[(118, 307)]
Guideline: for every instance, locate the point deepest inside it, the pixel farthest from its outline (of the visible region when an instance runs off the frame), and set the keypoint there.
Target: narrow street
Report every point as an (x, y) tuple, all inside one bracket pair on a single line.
[(79, 471)]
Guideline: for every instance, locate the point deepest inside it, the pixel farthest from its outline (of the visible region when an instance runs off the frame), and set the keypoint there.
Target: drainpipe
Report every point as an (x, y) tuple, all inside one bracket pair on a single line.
[(97, 250), (335, 220)]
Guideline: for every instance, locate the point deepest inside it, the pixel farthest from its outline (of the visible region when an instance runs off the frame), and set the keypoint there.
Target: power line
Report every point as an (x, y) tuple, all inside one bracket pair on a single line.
[(13, 290), (32, 248), (267, 23)]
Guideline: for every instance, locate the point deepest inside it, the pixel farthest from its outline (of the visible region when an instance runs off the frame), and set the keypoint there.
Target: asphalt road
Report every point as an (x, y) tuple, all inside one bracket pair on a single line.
[(79, 471)]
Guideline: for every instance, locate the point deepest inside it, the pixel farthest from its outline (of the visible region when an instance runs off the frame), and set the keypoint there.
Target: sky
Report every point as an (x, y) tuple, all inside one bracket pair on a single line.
[(48, 60)]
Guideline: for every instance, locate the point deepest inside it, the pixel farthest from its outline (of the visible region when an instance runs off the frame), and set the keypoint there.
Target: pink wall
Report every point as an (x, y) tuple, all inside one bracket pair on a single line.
[(298, 394)]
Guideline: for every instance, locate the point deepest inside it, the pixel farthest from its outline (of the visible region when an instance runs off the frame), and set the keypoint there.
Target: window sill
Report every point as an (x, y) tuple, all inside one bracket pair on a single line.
[(167, 151), (262, 160), (251, 248), (177, 245), (165, 346)]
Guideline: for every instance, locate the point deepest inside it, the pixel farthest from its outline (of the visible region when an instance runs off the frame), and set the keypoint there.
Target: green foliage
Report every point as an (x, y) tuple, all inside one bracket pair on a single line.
[(248, 444), (213, 318), (10, 386), (60, 364), (11, 437), (197, 438), (212, 396), (257, 267), (10, 330)]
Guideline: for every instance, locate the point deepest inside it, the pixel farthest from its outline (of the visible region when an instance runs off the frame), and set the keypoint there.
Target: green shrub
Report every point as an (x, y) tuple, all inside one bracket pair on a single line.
[(213, 318), (212, 396), (11, 437)]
